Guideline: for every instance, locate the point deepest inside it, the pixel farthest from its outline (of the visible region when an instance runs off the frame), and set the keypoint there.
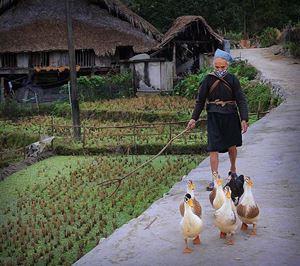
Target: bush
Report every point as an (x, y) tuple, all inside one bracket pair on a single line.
[(245, 72), (189, 86), (293, 48), (10, 109), (96, 87), (242, 69), (260, 93), (59, 109), (268, 37), (234, 36)]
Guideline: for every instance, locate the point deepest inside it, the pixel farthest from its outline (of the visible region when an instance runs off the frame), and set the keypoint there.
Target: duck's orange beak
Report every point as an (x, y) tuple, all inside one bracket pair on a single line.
[(190, 203), (228, 194), (219, 181), (250, 183)]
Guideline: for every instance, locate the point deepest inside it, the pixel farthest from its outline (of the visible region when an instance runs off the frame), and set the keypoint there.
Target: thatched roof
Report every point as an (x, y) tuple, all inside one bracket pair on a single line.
[(34, 25), (181, 24), (5, 4), (121, 11)]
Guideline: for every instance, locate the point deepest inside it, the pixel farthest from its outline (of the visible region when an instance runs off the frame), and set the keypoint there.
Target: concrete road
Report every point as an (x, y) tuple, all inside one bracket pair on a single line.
[(270, 155)]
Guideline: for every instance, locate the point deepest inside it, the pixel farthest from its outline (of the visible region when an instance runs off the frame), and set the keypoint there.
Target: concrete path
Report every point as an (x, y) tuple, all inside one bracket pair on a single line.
[(270, 155)]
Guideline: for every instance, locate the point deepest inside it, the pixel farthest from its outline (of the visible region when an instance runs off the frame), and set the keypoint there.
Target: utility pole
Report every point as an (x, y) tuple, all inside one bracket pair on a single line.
[(73, 83)]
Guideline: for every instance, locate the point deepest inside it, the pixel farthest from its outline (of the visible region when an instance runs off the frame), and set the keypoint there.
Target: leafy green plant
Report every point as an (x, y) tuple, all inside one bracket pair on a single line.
[(234, 36), (97, 87), (60, 109), (259, 94), (293, 48), (242, 69), (268, 37), (10, 109), (189, 86), (46, 210)]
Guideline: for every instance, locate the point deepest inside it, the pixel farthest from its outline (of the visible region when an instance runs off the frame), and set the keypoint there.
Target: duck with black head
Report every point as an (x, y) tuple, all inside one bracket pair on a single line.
[(191, 224)]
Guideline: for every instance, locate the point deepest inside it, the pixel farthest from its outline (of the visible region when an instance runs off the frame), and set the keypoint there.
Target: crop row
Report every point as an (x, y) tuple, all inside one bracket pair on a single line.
[(57, 221)]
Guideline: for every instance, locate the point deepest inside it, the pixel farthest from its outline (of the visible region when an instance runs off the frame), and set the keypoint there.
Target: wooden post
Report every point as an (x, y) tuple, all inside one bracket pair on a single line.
[(37, 102), (24, 148), (83, 138), (52, 130), (272, 103), (258, 110), (2, 100), (74, 96), (174, 60), (134, 139), (201, 137), (170, 131), (40, 131)]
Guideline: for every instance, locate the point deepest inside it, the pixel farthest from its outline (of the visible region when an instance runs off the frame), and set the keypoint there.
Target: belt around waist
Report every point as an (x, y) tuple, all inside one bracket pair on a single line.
[(222, 103)]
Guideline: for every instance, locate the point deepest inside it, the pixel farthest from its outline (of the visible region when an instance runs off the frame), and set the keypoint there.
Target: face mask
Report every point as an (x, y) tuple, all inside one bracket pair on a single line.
[(220, 73)]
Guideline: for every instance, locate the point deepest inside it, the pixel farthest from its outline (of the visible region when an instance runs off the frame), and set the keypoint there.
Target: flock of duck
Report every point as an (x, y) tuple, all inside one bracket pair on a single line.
[(223, 200)]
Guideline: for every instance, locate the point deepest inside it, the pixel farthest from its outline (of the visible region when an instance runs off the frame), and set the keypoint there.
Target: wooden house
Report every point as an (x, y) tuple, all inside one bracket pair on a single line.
[(185, 47), (33, 42), (187, 43)]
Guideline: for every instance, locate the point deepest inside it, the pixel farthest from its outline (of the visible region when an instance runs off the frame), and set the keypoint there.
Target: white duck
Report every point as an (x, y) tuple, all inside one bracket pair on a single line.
[(196, 205), (191, 224), (217, 196), (247, 209), (225, 217)]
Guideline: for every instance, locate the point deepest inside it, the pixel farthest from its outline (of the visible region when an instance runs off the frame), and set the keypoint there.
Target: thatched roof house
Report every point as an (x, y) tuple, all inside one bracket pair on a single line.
[(192, 29), (189, 37), (33, 33)]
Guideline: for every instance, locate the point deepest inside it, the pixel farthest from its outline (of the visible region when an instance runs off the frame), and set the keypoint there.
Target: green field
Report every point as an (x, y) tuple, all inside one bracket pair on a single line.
[(55, 211)]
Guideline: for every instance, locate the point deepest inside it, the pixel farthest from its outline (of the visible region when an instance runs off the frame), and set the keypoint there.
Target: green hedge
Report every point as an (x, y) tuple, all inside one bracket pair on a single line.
[(145, 149), (12, 110)]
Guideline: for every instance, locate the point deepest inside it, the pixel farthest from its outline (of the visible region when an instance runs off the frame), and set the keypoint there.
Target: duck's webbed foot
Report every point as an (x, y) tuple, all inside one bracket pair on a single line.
[(244, 227), (253, 232), (222, 235), (187, 249), (196, 240), (229, 241)]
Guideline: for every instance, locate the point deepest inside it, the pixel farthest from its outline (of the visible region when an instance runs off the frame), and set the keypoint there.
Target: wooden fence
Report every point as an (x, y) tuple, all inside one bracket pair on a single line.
[(127, 135)]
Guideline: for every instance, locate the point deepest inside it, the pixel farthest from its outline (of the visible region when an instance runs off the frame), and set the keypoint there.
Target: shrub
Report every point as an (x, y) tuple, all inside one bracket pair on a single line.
[(10, 109), (190, 85), (268, 37), (293, 48), (243, 70), (59, 109), (96, 87), (259, 93), (234, 36)]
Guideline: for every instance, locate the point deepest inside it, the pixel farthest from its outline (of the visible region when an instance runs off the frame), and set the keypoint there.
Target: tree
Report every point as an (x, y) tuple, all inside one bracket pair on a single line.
[(248, 16)]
